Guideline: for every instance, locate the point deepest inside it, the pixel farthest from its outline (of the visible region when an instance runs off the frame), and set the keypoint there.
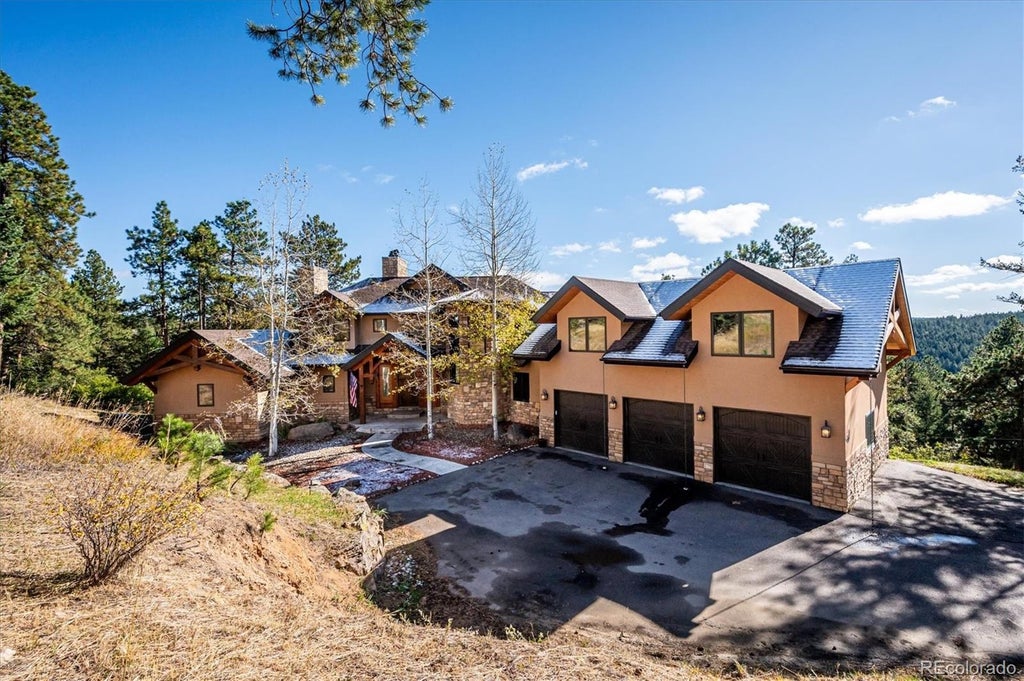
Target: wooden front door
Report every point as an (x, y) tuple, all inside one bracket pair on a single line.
[(387, 393)]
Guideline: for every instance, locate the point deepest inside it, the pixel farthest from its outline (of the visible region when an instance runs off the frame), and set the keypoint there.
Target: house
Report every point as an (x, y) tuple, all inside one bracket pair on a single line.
[(769, 379), (205, 376)]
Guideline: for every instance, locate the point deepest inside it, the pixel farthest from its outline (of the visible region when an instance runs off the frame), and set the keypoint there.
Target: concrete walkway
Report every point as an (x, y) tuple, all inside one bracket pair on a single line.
[(384, 431)]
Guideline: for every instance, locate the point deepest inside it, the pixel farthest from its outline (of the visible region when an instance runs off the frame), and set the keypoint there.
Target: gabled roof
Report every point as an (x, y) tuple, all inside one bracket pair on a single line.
[(542, 344), (624, 300), (243, 349), (853, 344), (656, 342), (779, 282), (384, 295)]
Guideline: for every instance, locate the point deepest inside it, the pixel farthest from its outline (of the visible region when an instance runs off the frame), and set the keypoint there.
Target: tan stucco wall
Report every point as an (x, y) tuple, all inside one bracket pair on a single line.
[(865, 396), (365, 332), (177, 392), (333, 406)]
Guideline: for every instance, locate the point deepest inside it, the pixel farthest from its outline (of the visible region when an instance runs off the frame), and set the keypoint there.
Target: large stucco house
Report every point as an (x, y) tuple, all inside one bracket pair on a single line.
[(204, 375), (769, 379)]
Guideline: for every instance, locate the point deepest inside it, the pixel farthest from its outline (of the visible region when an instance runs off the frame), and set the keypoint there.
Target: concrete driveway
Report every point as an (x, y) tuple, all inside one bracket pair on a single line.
[(551, 539)]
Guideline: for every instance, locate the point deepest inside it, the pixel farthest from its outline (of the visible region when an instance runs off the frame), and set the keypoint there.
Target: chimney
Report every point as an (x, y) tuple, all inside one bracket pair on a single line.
[(392, 265), (320, 280)]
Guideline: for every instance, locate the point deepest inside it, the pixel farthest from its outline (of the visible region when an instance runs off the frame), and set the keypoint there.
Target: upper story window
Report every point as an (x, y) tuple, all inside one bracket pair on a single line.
[(342, 330), (380, 325), (742, 334), (587, 334)]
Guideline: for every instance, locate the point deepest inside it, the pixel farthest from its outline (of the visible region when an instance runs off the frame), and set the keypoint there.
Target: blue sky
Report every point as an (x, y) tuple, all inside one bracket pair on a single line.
[(648, 137)]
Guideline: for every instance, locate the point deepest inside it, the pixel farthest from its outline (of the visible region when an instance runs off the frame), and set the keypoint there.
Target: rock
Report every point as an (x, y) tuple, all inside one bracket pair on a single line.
[(319, 489), (6, 655), (367, 549), (311, 431), (276, 480)]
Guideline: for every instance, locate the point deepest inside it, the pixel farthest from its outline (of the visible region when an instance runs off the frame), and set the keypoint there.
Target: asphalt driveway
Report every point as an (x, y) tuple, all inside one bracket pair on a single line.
[(550, 538)]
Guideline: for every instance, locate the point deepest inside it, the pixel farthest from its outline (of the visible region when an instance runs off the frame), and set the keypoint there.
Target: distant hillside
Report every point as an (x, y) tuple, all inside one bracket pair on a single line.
[(951, 340)]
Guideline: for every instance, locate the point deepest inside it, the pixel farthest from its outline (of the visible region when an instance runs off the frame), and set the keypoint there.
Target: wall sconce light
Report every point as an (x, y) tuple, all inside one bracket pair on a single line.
[(701, 416), (826, 430), (612, 403), (544, 394)]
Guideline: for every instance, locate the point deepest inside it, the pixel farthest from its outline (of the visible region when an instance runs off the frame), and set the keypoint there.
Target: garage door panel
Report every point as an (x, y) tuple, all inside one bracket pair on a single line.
[(762, 450), (658, 434), (580, 421)]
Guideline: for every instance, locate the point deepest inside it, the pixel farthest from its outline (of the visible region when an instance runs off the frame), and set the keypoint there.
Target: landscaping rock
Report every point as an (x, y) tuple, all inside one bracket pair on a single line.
[(311, 431), (367, 551), (276, 480), (320, 489)]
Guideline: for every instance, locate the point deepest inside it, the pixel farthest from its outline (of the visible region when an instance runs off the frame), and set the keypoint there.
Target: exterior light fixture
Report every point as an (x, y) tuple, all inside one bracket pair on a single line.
[(544, 394), (612, 403), (826, 430), (701, 416)]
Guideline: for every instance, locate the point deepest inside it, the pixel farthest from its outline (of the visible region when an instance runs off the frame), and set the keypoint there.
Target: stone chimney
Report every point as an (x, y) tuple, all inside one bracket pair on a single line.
[(392, 265), (320, 280)]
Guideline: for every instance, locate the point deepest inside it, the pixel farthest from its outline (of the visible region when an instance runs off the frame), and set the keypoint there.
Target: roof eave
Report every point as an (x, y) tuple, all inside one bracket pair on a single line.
[(859, 372)]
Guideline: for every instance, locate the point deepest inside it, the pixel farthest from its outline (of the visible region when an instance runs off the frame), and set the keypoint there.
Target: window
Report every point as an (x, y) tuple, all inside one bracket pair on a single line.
[(742, 334), (521, 387), (342, 330), (869, 429), (328, 383), (587, 334), (380, 325), (204, 394)]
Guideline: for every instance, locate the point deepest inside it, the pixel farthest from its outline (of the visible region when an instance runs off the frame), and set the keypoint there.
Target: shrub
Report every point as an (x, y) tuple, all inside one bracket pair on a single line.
[(200, 448), (171, 438), (252, 477), (115, 512)]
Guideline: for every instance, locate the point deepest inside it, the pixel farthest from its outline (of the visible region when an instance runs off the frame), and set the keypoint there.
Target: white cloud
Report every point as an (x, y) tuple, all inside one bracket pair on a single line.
[(942, 274), (546, 281), (645, 242), (538, 169), (926, 108), (954, 290), (836, 223), (861, 246), (1015, 260), (671, 263), (383, 178), (349, 177), (714, 226), (569, 249), (935, 207), (800, 222), (599, 210), (609, 247), (676, 195)]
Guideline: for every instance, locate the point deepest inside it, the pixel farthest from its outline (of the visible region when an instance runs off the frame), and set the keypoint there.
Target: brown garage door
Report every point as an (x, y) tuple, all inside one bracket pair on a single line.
[(770, 452), (580, 421), (659, 434)]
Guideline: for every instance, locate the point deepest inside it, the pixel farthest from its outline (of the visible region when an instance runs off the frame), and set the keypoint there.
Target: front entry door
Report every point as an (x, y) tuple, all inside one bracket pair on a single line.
[(387, 395)]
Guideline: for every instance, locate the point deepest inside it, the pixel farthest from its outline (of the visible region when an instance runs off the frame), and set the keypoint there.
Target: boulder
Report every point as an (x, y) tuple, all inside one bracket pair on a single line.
[(311, 431), (275, 480)]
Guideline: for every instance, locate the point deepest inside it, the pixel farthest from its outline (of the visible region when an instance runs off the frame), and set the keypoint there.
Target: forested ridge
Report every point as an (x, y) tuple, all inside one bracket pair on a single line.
[(951, 339)]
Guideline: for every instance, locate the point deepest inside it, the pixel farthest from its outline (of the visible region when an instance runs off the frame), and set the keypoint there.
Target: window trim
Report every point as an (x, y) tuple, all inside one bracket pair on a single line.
[(199, 395), (328, 383), (516, 384), (383, 324), (586, 334), (741, 350)]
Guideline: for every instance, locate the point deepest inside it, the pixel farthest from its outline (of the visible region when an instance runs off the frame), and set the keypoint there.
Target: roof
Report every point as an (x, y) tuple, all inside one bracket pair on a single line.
[(779, 282), (625, 300), (656, 342), (384, 295), (542, 344), (853, 343)]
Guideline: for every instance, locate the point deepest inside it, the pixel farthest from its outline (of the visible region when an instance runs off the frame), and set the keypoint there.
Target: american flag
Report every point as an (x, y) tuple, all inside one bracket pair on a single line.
[(353, 390)]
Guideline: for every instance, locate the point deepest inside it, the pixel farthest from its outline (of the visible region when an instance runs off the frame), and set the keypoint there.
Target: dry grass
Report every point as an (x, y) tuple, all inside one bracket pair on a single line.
[(224, 600)]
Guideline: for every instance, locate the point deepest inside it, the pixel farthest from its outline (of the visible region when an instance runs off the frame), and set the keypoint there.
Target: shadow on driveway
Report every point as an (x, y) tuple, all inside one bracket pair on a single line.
[(550, 538)]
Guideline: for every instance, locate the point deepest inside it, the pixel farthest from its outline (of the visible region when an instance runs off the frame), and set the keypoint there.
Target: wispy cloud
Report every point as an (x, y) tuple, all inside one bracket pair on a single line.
[(836, 223), (715, 226), (609, 247), (861, 246), (943, 274), (383, 178), (935, 207), (546, 281), (349, 177), (599, 210), (646, 242), (671, 264), (800, 222), (538, 169), (926, 108), (676, 195), (569, 249), (954, 291)]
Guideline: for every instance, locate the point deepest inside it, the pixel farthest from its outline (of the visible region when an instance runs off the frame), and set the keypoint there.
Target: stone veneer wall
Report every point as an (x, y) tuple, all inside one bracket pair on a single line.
[(526, 413), (233, 428), (335, 413), (704, 461), (862, 462), (828, 486), (547, 430), (615, 452), (470, 403)]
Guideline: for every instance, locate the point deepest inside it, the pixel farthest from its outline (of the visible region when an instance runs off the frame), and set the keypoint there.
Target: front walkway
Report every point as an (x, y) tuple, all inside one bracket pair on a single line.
[(378, 446)]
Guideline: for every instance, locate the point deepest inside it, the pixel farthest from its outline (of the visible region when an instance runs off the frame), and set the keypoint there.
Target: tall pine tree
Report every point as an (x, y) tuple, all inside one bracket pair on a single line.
[(243, 237), (153, 254), (318, 244), (201, 283)]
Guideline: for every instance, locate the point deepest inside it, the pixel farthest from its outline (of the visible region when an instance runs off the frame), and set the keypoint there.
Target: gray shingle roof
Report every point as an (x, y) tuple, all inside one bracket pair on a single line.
[(541, 344), (657, 342), (855, 342)]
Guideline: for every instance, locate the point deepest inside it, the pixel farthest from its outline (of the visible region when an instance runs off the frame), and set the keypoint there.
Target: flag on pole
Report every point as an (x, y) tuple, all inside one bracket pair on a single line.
[(353, 389)]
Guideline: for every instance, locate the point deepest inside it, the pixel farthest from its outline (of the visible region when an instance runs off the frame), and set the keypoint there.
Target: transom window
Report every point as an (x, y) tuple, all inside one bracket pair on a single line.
[(587, 334), (742, 334)]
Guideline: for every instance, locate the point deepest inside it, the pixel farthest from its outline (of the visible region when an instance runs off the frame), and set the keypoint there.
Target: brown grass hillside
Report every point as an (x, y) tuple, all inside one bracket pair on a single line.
[(222, 600)]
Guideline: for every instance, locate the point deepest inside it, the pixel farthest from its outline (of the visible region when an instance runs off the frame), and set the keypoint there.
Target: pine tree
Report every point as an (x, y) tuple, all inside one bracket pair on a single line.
[(201, 282), (242, 237), (317, 244), (153, 254), (757, 252), (39, 213), (798, 248)]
